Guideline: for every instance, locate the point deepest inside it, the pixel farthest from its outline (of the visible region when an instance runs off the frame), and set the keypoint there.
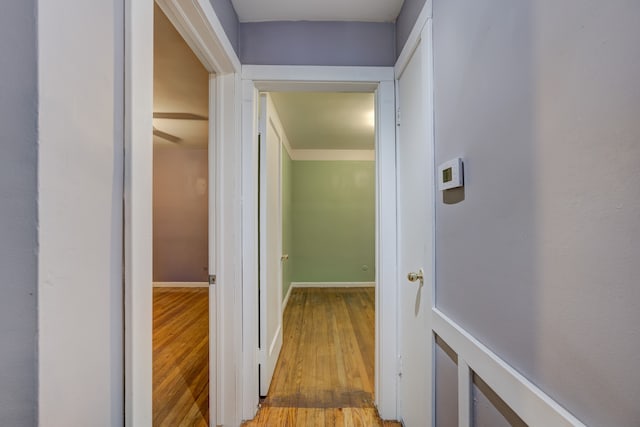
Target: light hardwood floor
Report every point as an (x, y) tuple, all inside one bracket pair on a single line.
[(325, 373), (180, 357)]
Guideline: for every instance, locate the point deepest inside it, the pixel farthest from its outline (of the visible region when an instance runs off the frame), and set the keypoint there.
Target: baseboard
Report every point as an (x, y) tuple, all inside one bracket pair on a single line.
[(333, 284), (180, 284), (324, 285), (286, 298)]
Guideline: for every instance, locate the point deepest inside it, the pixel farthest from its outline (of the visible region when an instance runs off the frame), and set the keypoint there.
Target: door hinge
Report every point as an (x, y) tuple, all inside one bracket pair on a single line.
[(399, 367), (212, 279), (398, 117)]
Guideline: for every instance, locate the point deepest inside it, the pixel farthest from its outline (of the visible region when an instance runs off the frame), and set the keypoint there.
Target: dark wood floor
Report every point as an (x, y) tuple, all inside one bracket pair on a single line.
[(325, 373), (180, 357)]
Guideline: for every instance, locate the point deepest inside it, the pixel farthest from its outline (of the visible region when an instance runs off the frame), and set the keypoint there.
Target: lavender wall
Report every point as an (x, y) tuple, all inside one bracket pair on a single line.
[(18, 213), (180, 214), (406, 20), (446, 387), (538, 255), (318, 43), (229, 20)]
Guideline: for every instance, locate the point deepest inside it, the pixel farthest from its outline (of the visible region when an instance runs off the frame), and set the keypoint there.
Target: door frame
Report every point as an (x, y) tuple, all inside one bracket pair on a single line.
[(198, 24), (323, 78)]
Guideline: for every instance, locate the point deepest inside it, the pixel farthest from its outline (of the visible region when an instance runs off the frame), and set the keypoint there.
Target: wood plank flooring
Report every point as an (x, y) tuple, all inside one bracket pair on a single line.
[(325, 373), (180, 357)]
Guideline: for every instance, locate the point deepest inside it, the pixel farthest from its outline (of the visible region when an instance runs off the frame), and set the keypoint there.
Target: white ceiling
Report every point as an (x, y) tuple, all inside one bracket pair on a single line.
[(314, 10), (327, 120), (180, 85)]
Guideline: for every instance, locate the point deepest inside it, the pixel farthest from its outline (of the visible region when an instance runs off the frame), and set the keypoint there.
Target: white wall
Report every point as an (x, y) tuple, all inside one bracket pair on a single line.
[(80, 69), (538, 257), (18, 213)]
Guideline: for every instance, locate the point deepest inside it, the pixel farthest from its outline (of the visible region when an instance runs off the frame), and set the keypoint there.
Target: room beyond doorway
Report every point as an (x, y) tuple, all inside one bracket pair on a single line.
[(181, 214), (317, 206)]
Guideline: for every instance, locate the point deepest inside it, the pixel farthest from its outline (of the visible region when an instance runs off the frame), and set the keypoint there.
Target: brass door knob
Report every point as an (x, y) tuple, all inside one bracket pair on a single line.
[(415, 276)]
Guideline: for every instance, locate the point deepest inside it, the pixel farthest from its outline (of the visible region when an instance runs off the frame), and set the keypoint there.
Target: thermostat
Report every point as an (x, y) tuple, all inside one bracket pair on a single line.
[(450, 174)]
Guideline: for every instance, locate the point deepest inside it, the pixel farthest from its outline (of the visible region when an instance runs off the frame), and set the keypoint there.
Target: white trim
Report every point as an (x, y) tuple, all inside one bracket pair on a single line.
[(286, 298), (345, 155), (138, 213), (247, 329), (333, 284), (535, 407), (414, 37), (294, 75), (386, 378), (379, 79), (180, 284), (198, 24), (214, 226), (276, 339), (464, 394)]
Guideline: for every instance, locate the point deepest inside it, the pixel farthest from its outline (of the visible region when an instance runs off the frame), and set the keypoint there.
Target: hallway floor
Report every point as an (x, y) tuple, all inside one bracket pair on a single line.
[(180, 357), (325, 372)]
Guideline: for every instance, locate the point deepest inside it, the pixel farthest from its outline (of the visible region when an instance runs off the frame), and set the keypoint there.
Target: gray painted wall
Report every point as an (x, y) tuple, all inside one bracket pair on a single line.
[(489, 410), (406, 20), (446, 387), (180, 214), (18, 213), (229, 20), (539, 260), (318, 43)]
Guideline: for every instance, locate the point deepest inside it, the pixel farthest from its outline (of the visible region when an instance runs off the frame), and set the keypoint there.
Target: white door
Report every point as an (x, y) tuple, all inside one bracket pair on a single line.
[(415, 166), (270, 283), (212, 152)]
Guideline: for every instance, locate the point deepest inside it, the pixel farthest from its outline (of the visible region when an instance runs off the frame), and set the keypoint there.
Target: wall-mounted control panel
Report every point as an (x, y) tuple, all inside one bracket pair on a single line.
[(450, 174)]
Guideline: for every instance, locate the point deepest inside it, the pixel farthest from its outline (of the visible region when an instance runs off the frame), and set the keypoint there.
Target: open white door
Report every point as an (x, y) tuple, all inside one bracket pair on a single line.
[(270, 284), (213, 252), (415, 169)]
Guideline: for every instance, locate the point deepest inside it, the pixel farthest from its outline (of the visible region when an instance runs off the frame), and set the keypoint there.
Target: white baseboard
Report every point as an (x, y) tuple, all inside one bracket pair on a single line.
[(324, 285), (180, 284), (286, 298), (333, 284)]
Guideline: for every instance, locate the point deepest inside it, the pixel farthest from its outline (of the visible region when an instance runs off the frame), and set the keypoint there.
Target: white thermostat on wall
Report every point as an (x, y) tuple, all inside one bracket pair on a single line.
[(450, 174)]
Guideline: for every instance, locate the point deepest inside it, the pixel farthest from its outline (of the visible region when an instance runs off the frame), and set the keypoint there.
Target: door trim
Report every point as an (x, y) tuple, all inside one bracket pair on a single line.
[(320, 78), (198, 24)]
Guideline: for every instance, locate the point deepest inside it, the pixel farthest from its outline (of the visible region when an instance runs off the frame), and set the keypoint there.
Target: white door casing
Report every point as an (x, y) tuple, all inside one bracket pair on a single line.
[(270, 284), (318, 78), (415, 172)]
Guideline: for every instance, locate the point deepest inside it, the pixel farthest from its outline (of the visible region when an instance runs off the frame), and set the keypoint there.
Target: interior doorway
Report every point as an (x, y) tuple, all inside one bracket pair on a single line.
[(378, 82), (317, 248), (180, 231)]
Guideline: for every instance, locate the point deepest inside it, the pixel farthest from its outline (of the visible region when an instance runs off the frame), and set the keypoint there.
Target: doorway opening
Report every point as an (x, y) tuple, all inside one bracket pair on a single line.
[(379, 81), (180, 231), (317, 263)]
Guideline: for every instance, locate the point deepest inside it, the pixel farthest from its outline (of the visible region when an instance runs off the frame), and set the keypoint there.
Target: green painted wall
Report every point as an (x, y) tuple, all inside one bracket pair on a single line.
[(333, 218), (287, 222)]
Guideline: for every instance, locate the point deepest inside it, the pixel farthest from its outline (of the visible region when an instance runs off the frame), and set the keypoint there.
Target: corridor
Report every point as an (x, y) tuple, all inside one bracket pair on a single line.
[(325, 372)]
